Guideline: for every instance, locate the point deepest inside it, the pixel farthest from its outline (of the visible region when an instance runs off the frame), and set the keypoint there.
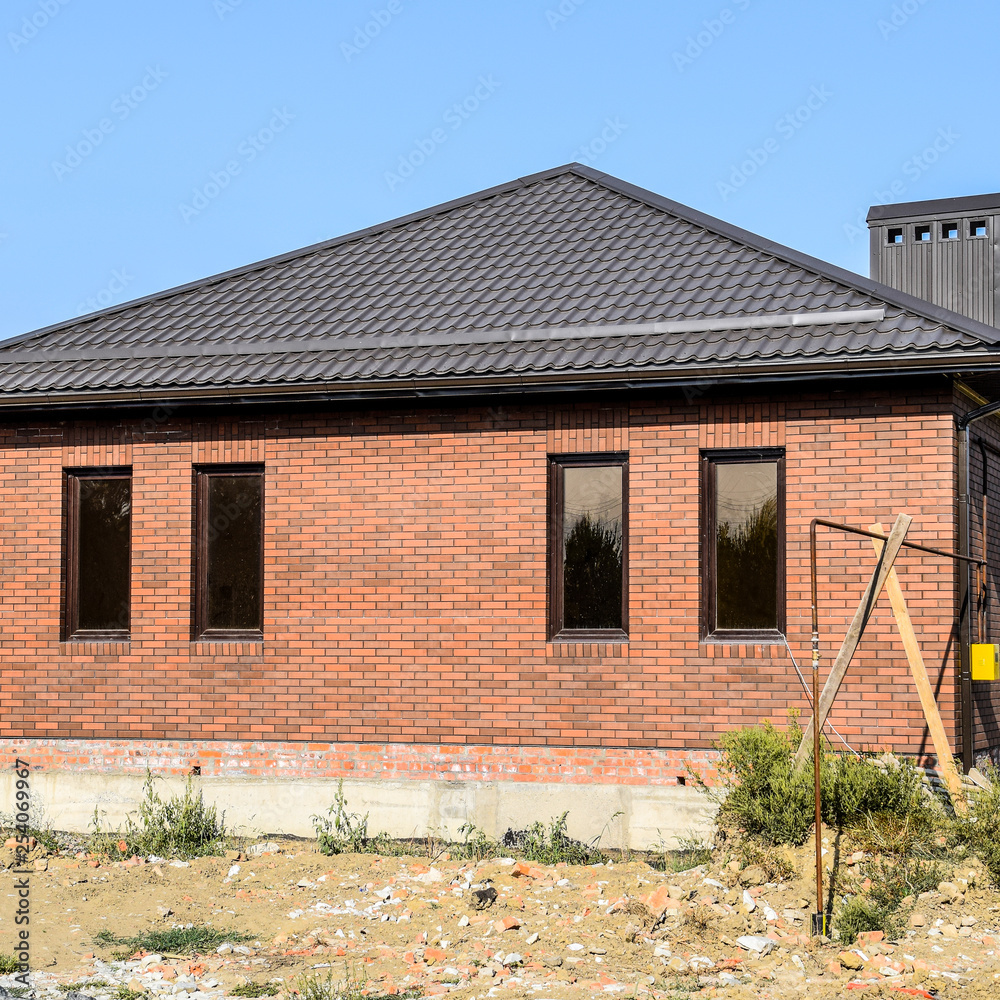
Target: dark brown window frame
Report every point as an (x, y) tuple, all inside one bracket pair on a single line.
[(202, 476), (71, 631), (555, 544), (709, 459)]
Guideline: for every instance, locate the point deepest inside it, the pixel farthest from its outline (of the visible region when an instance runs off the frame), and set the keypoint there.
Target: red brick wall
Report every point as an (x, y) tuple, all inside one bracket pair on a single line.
[(405, 577)]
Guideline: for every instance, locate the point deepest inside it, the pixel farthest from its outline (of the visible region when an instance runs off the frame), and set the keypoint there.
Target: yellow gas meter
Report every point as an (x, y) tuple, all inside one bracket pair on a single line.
[(985, 660)]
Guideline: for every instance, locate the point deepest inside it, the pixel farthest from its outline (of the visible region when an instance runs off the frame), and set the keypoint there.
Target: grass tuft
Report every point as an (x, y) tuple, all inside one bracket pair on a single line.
[(254, 990), (174, 941)]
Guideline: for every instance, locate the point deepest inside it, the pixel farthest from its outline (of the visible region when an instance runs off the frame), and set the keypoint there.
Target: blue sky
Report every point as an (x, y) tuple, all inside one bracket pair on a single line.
[(151, 144)]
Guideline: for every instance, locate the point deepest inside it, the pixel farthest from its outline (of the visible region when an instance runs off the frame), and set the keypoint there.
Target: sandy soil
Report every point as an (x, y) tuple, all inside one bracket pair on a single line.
[(394, 924)]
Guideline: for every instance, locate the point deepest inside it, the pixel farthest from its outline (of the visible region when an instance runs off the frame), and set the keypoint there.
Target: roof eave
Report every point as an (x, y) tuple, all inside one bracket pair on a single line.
[(443, 388)]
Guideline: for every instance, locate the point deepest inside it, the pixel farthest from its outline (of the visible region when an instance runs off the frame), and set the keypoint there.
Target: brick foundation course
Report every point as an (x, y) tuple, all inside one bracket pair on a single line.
[(221, 759)]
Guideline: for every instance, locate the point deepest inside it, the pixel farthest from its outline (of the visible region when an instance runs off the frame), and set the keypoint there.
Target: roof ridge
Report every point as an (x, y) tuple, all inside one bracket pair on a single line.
[(850, 279)]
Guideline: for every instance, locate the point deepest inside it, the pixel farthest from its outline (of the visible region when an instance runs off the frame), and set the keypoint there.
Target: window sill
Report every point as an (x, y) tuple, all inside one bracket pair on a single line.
[(590, 635), (745, 637), (230, 635), (98, 635)]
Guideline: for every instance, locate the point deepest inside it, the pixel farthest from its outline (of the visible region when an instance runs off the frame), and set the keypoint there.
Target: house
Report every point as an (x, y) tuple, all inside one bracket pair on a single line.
[(493, 511)]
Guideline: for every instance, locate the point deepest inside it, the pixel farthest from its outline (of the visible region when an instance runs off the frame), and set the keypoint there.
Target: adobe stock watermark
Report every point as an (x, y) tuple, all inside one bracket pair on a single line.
[(712, 29), (22, 846), (899, 16), (365, 34), (454, 117), (913, 168), (561, 14), (787, 127), (109, 294), (122, 107), (247, 151), (223, 8), (38, 21), (590, 152)]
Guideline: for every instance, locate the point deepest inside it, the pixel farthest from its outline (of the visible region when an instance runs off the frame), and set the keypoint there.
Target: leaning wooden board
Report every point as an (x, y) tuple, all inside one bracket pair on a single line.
[(853, 637), (946, 763)]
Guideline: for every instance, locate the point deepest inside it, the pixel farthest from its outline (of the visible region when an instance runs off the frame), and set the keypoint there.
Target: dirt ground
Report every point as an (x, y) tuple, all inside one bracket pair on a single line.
[(393, 925)]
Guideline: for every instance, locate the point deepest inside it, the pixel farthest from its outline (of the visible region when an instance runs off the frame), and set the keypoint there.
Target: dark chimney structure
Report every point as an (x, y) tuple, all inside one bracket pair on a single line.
[(944, 251)]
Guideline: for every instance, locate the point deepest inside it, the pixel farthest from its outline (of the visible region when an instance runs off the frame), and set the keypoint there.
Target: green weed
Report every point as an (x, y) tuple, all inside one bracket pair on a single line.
[(253, 990), (476, 844), (341, 831), (182, 827), (552, 845), (8, 964), (124, 993), (175, 940), (311, 986), (775, 864)]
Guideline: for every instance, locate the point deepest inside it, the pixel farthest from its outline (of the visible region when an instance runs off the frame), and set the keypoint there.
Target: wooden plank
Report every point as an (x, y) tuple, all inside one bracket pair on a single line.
[(946, 763), (853, 637)]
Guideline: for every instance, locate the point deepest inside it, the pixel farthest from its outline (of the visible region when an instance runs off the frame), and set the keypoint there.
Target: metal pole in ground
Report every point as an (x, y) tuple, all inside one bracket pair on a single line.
[(819, 924)]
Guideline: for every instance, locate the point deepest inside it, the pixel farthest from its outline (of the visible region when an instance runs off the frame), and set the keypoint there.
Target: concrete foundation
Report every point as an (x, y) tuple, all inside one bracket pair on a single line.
[(634, 816)]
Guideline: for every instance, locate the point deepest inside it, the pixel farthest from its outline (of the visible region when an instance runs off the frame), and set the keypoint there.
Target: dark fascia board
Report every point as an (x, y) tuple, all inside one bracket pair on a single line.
[(818, 372), (981, 331), (900, 211)]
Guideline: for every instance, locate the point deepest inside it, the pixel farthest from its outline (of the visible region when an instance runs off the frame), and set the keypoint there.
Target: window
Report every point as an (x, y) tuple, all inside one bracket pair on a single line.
[(895, 236), (98, 554), (922, 234), (949, 230), (743, 544), (977, 228), (588, 547), (229, 576)]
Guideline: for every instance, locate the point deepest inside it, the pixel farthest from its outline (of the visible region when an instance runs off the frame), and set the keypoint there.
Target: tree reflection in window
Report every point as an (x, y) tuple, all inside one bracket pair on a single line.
[(746, 545), (230, 555), (100, 553), (592, 546)]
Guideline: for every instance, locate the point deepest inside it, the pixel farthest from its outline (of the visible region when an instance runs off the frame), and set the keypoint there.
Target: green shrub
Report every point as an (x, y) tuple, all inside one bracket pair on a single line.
[(8, 964), (762, 796), (979, 829), (856, 916), (865, 785), (893, 879)]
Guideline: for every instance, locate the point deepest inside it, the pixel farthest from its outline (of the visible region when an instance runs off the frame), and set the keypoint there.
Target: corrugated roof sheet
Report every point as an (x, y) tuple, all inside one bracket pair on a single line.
[(565, 249)]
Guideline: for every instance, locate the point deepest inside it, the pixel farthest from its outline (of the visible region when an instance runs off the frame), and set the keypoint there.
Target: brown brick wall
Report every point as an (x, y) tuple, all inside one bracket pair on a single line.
[(405, 577)]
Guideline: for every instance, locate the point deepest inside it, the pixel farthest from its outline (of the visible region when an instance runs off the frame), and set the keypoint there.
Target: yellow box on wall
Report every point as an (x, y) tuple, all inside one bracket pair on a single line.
[(985, 659)]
